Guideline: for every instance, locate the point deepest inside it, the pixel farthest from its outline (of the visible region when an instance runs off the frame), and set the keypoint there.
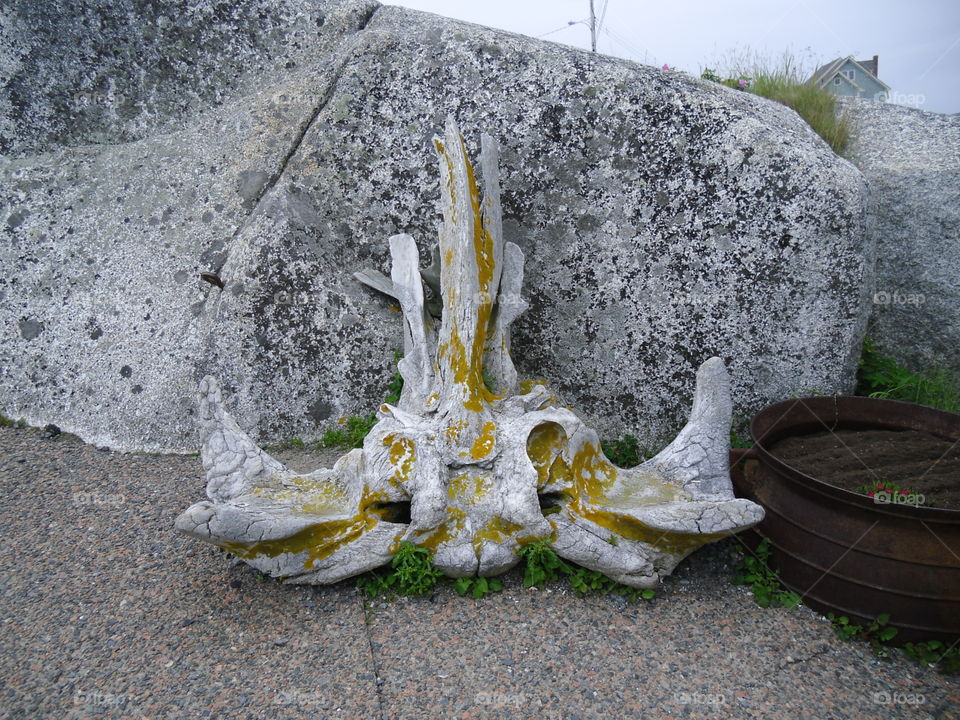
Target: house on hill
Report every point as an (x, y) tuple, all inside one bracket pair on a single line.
[(852, 78)]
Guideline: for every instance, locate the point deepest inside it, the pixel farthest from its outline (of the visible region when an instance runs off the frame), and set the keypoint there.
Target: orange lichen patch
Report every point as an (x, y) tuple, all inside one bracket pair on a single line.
[(630, 528), (393, 308), (483, 445), (526, 386), (402, 456), (464, 355), (469, 488), (454, 429), (498, 529), (593, 473), (494, 531), (545, 444), (447, 530), (318, 540)]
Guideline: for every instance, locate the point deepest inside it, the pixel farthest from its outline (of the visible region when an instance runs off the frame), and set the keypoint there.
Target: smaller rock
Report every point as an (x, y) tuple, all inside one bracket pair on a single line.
[(280, 642), (235, 584), (50, 431)]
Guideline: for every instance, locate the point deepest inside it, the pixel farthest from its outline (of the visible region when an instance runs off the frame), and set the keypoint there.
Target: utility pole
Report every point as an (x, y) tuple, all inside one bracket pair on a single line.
[(593, 28)]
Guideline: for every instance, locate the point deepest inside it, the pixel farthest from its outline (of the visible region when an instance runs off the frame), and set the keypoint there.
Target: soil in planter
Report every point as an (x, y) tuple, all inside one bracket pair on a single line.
[(916, 461)]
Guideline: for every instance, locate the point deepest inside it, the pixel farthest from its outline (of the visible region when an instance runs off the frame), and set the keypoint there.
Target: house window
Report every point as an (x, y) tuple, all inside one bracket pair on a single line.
[(836, 80), (850, 73)]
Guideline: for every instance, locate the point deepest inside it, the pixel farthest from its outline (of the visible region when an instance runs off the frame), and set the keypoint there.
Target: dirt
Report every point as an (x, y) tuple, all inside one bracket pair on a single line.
[(920, 463)]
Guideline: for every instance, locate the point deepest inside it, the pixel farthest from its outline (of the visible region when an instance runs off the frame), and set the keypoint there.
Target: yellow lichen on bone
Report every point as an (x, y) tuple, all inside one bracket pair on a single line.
[(402, 456), (496, 530), (318, 540), (483, 445), (470, 488), (446, 531), (545, 443)]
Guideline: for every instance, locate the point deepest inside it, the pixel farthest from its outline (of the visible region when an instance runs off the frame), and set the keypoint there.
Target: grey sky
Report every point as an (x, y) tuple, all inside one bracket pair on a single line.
[(918, 41)]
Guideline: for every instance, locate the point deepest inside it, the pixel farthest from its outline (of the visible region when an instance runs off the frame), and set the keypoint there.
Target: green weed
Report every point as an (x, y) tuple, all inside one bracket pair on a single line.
[(785, 81), (754, 570), (477, 586), (543, 565), (877, 632), (880, 376), (411, 573)]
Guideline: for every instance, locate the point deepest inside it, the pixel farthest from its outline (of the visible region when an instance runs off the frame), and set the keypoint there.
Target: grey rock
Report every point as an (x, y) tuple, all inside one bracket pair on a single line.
[(911, 159), (664, 220)]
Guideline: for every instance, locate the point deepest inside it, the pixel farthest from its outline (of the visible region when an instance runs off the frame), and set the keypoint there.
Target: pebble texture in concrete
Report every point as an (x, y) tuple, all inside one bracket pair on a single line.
[(115, 616)]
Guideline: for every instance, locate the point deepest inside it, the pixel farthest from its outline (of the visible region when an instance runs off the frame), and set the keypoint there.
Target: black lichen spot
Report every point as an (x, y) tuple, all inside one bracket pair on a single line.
[(126, 371), (29, 329), (136, 389)]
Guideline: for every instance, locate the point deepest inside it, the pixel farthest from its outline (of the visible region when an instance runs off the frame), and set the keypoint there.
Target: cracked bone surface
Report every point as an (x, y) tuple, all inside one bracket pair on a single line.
[(469, 463)]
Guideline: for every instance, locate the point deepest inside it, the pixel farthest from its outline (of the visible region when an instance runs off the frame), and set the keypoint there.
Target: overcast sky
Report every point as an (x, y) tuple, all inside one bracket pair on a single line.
[(918, 41)]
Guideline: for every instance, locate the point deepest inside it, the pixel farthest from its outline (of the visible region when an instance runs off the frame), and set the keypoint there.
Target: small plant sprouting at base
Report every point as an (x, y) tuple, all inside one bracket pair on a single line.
[(878, 633), (934, 653), (754, 570), (543, 565), (477, 586), (625, 452), (412, 573)]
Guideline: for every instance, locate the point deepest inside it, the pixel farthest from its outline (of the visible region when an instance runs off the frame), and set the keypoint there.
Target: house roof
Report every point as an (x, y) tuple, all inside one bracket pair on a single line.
[(826, 73)]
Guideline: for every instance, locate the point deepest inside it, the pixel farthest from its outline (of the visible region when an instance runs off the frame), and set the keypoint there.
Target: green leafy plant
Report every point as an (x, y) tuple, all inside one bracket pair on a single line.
[(933, 653), (880, 376), (412, 573), (395, 387), (888, 492), (542, 565), (738, 442), (754, 570), (877, 632), (625, 452), (354, 430), (477, 586)]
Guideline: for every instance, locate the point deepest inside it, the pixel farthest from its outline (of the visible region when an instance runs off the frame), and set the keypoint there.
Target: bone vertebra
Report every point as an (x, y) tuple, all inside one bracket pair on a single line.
[(473, 462)]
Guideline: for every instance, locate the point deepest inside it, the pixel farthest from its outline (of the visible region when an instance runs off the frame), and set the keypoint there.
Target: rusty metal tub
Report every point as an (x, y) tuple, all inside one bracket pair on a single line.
[(841, 551)]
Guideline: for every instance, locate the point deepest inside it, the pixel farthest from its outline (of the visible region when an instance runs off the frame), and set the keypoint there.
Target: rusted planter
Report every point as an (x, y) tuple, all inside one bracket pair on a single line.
[(838, 549)]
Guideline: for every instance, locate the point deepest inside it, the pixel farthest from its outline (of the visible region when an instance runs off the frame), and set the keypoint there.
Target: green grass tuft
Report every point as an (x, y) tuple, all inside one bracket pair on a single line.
[(785, 81), (880, 376)]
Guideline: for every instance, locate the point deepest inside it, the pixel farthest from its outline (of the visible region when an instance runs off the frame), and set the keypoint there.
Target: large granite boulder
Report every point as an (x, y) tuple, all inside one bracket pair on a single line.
[(664, 220), (911, 160)]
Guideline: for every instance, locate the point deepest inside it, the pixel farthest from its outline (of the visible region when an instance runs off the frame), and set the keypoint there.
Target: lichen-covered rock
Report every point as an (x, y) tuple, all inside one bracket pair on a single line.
[(911, 160), (664, 220)]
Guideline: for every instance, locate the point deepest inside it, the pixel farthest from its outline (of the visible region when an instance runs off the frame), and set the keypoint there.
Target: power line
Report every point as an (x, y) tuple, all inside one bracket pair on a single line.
[(562, 27), (603, 14)]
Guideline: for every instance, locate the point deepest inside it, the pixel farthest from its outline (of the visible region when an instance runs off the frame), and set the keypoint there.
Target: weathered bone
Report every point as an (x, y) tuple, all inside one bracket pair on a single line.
[(473, 462)]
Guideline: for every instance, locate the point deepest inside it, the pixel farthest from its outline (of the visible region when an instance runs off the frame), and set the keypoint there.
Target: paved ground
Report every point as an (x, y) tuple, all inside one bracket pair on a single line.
[(107, 613)]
